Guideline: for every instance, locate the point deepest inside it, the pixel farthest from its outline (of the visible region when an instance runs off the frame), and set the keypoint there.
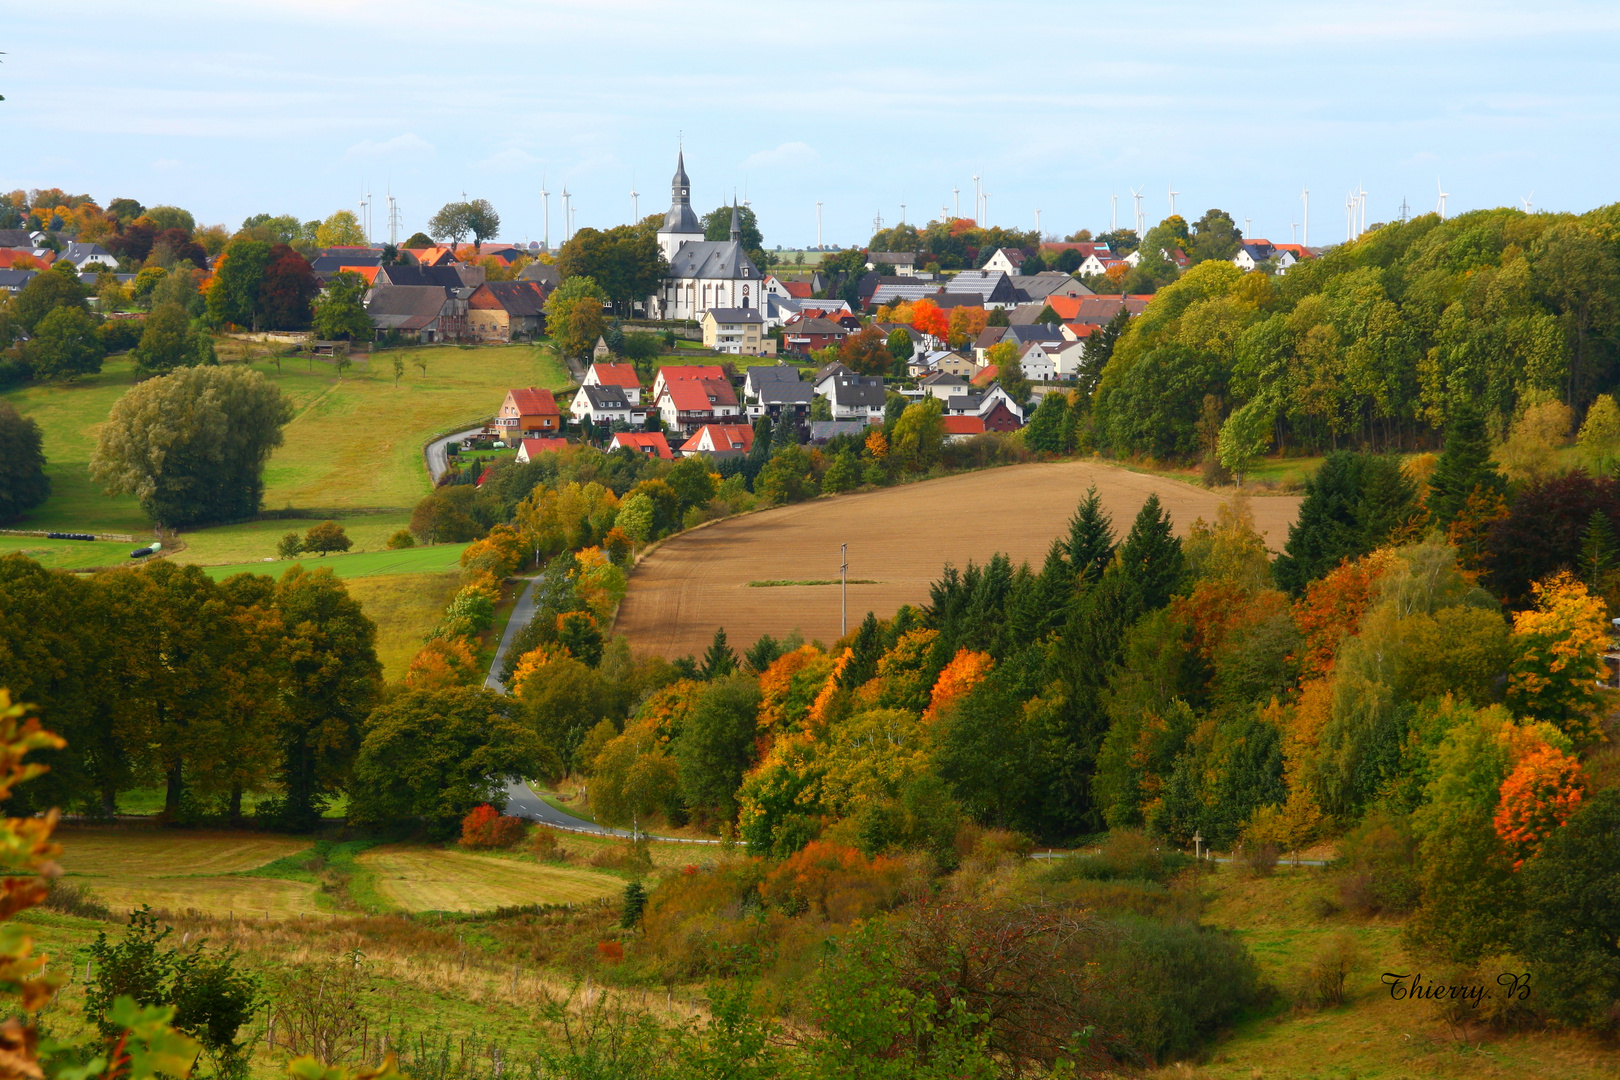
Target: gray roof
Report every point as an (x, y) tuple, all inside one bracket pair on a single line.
[(603, 398), (712, 259), (781, 392), (816, 326), (444, 277), (736, 315), (771, 373), (14, 279), (544, 273), (858, 390), (1047, 282), (943, 378), (993, 285), (963, 404), (834, 368), (891, 289), (1034, 332), (680, 218), (16, 238), (88, 278), (405, 307), (338, 262), (822, 430), (893, 258), (78, 252)]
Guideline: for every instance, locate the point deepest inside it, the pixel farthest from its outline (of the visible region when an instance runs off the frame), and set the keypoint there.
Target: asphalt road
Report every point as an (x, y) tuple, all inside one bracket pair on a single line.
[(436, 458), (522, 612)]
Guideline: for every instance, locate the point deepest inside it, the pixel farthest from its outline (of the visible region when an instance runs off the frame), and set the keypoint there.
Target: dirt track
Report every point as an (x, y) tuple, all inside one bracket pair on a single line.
[(900, 537)]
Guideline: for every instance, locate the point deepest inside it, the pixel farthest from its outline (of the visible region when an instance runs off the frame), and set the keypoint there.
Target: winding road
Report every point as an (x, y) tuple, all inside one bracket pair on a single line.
[(437, 460)]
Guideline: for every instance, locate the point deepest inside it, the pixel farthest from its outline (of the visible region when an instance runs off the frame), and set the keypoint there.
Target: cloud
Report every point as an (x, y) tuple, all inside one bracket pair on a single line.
[(509, 160), (409, 143), (789, 153)]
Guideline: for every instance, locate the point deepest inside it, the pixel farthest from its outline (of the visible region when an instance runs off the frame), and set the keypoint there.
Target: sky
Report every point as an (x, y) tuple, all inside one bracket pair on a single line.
[(235, 107)]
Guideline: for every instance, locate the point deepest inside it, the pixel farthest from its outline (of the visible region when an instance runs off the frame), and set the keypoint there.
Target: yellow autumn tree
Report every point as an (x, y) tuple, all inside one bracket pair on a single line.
[(966, 670), (1558, 657)]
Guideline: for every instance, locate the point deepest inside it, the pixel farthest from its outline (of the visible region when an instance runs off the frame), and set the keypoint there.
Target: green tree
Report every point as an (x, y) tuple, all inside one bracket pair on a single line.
[(635, 518), (47, 291), (715, 745), (341, 229), (625, 263), (1570, 929), (1245, 437), (843, 474), (717, 227), (333, 678), (1353, 505), (326, 536), (192, 446), (1151, 555), (340, 313), (692, 481), (168, 342), (1465, 464), (23, 482), (433, 756), (632, 778), (719, 659), (1599, 439), (1214, 236), (788, 477), (900, 344), (482, 221), (919, 435), (290, 546), (574, 315), (65, 345), (1049, 425), (234, 295)]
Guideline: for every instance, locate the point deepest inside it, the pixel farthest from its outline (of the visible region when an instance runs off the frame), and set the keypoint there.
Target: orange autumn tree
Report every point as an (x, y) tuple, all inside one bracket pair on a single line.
[(1537, 797), (965, 325), (1332, 608), (966, 670), (442, 664), (1558, 648), (788, 688), (927, 318)]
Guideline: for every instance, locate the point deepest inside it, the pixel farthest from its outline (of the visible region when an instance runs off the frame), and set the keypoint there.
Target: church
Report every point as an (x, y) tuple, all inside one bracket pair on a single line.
[(703, 274)]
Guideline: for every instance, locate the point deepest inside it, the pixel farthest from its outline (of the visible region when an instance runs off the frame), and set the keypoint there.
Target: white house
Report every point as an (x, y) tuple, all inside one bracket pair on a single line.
[(944, 386), (904, 262), (1039, 360), (1252, 253), (1009, 261), (856, 397), (606, 405), (622, 376), (86, 256)]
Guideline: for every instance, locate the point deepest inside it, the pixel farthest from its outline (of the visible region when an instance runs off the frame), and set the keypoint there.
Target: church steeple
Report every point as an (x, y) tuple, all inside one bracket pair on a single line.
[(736, 226), (680, 225), (680, 186)]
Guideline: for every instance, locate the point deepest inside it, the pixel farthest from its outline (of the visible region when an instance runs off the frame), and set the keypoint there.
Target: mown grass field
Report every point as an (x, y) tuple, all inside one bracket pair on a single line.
[(126, 868), (70, 554), (406, 608), (434, 559), (442, 879)]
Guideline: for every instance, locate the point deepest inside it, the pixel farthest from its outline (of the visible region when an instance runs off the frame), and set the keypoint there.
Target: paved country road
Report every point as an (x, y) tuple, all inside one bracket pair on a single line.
[(437, 461)]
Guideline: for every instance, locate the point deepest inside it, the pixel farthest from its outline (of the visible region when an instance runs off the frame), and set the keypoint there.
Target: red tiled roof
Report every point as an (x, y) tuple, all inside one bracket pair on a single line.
[(616, 375), (799, 289), (367, 272), (542, 446), (675, 372), (641, 441), (984, 376), (532, 402), (721, 437), (693, 395), (963, 425), (1082, 329)]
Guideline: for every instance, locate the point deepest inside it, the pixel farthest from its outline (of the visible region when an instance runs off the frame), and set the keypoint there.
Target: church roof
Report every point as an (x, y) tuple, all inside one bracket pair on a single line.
[(681, 219), (680, 180), (712, 259)]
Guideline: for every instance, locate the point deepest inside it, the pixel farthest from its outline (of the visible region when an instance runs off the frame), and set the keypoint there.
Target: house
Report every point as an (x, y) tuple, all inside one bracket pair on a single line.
[(944, 386), (1289, 254), (1038, 359), (999, 411), (806, 335), (606, 405), (445, 277), (600, 350), (994, 288), (506, 310), (822, 380), (427, 311), (13, 280), (1252, 253), (337, 260), (1047, 283), (1099, 310), (650, 443), (1008, 261), (962, 404), (530, 447), (903, 262), (777, 391), (85, 256), (1070, 357), (527, 413), (430, 256), (622, 376), (738, 331), (26, 258), (877, 291), (720, 441), (675, 372), (703, 273), (824, 431), (857, 397), (369, 273), (951, 362), (688, 404), (20, 238), (962, 428), (542, 274), (1099, 262)]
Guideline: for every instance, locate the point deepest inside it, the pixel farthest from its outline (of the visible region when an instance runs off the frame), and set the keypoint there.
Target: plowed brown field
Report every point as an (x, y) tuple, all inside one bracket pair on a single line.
[(899, 537)]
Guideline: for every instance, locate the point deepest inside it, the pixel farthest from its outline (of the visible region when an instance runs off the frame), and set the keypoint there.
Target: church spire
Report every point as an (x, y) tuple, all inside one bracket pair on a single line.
[(736, 226), (680, 185)]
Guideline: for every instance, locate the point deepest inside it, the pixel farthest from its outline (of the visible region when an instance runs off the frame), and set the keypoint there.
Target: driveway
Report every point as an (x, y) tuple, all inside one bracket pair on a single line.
[(437, 462)]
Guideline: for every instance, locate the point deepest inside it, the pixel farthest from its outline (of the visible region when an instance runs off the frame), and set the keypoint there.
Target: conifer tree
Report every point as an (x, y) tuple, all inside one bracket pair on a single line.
[(866, 650), (1090, 545), (1464, 465), (1600, 552), (1151, 555), (719, 660)]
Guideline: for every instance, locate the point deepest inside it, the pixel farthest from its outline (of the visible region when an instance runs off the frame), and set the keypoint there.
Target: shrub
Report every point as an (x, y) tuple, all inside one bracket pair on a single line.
[(1128, 854), (544, 847), (327, 536), (1321, 983), (835, 881), (1379, 857), (289, 546), (635, 902), (401, 539), (486, 827), (1258, 858)]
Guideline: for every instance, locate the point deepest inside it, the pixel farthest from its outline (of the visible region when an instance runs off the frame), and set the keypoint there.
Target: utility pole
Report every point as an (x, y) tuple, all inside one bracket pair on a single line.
[(545, 203), (1305, 227), (843, 589), (568, 220)]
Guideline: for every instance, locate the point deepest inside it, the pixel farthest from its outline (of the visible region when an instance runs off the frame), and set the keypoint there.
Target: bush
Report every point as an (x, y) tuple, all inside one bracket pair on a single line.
[(1258, 858), (1379, 859), (289, 546), (71, 899), (836, 882), (1128, 854), (327, 536), (400, 540), (543, 846), (486, 827), (1321, 983)]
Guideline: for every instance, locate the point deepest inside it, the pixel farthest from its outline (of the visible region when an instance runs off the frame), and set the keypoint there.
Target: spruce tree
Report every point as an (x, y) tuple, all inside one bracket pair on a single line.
[(1151, 555), (1464, 464), (718, 661), (1600, 552), (1090, 546), (866, 650), (1328, 528)]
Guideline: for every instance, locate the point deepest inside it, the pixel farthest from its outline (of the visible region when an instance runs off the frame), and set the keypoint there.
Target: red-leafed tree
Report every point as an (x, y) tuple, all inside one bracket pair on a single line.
[(288, 290), (927, 318), (867, 352), (1537, 797)]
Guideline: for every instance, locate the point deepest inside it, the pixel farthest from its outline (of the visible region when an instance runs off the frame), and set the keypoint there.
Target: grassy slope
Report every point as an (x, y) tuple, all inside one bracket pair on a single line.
[(1371, 1037), (406, 608), (437, 559)]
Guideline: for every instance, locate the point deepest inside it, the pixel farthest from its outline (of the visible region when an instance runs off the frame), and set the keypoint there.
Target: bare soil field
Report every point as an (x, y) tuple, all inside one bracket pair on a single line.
[(898, 537)]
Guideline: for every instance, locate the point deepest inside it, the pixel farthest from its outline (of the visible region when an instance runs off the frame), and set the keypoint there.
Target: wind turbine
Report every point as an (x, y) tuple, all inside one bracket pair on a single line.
[(956, 201), (1037, 224), (902, 213), (1362, 222), (568, 217), (1136, 194), (1305, 236), (1349, 216), (1440, 207), (1529, 206), (545, 203), (978, 200), (635, 203), (1113, 217), (1293, 232), (986, 199), (1248, 224), (1173, 194)]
